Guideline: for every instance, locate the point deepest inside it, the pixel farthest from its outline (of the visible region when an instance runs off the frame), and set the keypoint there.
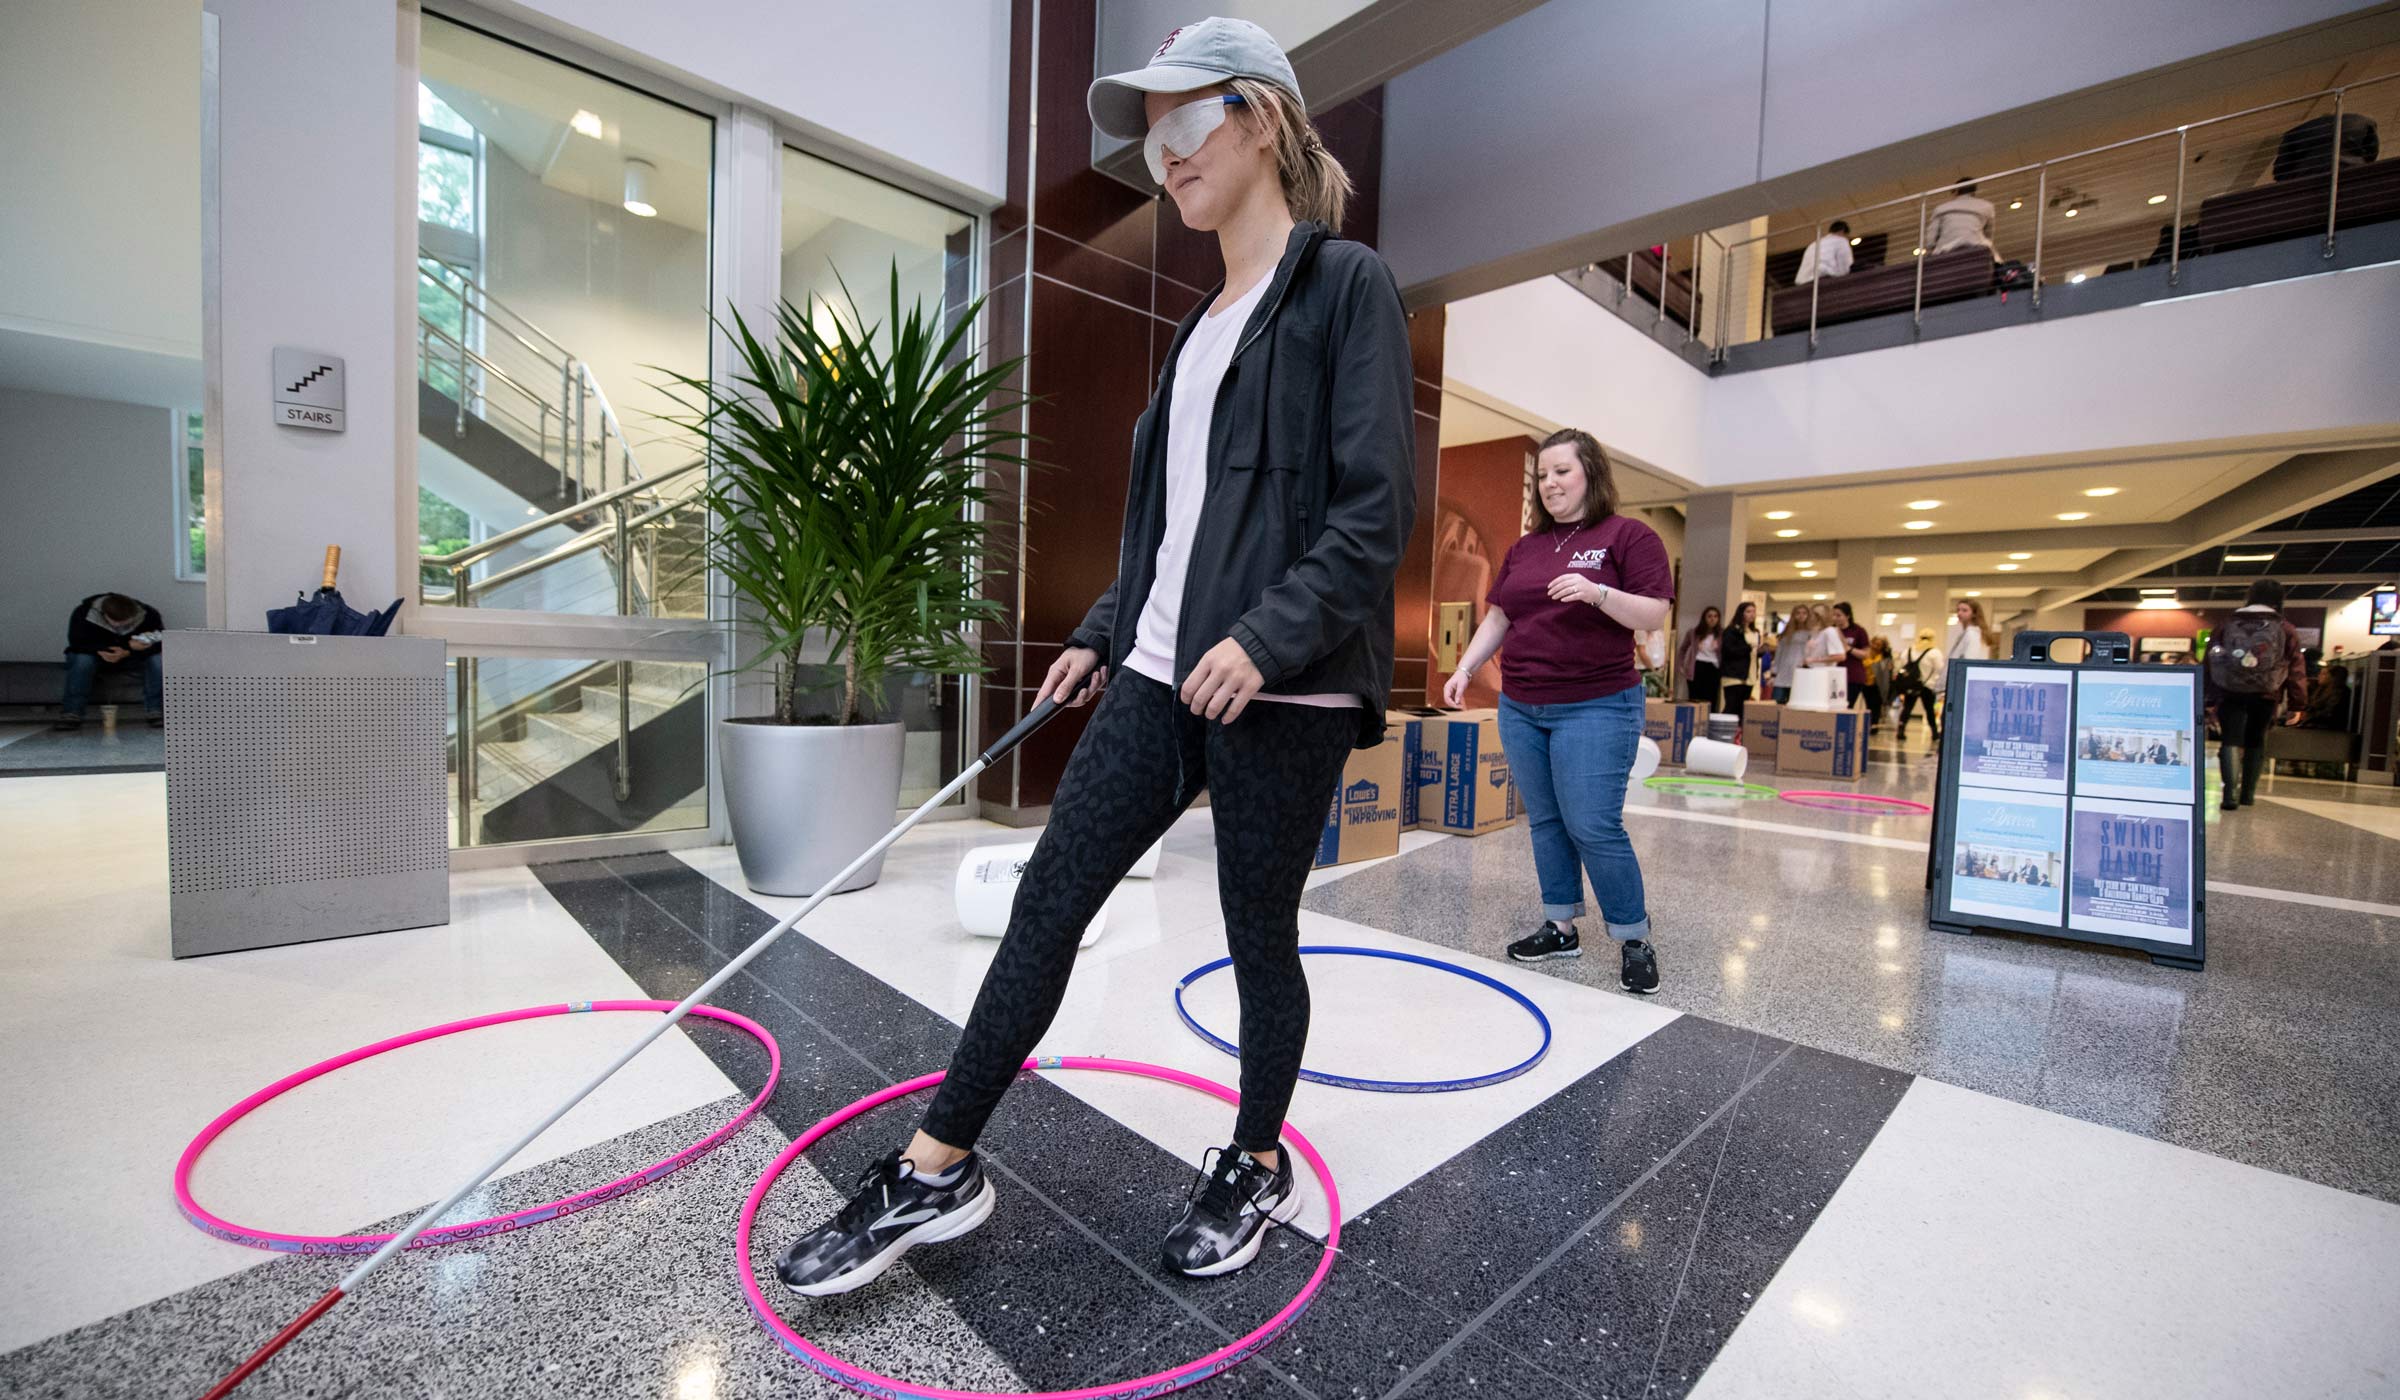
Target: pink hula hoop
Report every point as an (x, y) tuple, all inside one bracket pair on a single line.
[(474, 1229), (867, 1382), (1869, 802)]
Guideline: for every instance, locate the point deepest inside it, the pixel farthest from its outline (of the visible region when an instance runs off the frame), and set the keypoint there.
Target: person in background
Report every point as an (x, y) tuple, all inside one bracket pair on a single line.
[(1921, 679), (1700, 664), (1827, 257), (1970, 638), (1565, 608), (2253, 661), (1734, 649), (109, 631), (2328, 699), (1879, 679), (1853, 656), (1963, 221), (1791, 649)]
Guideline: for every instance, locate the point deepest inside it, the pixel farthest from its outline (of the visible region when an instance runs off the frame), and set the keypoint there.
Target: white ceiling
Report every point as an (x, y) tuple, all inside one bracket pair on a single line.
[(2044, 561), (2148, 492)]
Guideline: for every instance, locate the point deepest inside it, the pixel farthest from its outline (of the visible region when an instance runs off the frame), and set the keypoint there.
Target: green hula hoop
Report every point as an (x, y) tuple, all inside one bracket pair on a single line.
[(1711, 787)]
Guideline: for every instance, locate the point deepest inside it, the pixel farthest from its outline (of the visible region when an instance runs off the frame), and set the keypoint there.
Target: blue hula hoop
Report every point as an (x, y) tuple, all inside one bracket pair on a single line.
[(1382, 1086)]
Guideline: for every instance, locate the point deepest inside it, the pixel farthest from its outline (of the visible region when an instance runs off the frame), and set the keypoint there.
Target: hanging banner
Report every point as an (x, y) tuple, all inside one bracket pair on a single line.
[(2013, 728), (2008, 855), (2132, 870), (2134, 736)]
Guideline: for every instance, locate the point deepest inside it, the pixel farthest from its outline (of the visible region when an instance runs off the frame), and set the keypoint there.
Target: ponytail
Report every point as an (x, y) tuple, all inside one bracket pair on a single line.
[(1315, 186)]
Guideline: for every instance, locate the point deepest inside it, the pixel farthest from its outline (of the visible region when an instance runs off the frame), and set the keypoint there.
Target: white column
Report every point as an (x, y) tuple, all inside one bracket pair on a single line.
[(311, 190), (1854, 579), (1715, 536)]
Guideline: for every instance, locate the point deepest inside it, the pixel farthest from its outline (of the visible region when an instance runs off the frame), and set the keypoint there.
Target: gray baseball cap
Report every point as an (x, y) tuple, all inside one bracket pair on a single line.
[(1193, 57)]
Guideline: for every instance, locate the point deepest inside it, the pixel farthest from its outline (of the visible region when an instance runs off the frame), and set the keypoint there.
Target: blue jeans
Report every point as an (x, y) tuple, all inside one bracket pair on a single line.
[(83, 668), (1571, 763)]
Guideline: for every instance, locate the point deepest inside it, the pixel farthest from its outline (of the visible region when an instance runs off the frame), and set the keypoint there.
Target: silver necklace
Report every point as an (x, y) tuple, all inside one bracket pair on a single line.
[(1562, 544)]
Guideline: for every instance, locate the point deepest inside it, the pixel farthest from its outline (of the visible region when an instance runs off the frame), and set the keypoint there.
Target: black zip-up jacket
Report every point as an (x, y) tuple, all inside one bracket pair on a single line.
[(1311, 487), (85, 635)]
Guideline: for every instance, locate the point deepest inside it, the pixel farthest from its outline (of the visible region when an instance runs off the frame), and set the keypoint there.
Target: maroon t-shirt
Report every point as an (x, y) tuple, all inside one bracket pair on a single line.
[(1854, 637), (1559, 653)]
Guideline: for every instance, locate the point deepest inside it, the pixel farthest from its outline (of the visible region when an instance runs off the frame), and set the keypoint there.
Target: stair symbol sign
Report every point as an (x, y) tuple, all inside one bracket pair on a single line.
[(310, 378)]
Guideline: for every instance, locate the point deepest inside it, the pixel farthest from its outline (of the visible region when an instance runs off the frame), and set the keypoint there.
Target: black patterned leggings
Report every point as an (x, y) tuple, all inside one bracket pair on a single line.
[(1145, 756)]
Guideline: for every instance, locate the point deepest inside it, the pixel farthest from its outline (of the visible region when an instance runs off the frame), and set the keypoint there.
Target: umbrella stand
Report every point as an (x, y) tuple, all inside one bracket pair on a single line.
[(357, 1277)]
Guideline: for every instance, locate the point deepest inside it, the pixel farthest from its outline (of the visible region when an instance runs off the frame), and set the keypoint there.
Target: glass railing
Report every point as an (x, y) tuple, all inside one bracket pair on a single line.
[(634, 551), (2297, 172), (543, 749)]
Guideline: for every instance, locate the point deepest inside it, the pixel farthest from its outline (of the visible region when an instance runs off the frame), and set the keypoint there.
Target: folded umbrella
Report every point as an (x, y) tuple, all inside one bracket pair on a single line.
[(326, 615)]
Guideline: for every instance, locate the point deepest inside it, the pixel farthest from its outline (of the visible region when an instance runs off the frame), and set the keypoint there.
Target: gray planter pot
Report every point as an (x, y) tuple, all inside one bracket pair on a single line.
[(806, 800)]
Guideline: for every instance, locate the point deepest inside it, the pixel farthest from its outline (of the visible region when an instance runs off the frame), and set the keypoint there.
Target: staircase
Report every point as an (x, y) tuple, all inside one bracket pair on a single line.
[(546, 765)]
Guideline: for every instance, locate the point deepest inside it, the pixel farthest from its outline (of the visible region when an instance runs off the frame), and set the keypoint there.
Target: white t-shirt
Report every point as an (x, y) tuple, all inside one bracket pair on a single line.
[(1199, 370), (1828, 645), (1706, 651), (1830, 255), (1967, 643)]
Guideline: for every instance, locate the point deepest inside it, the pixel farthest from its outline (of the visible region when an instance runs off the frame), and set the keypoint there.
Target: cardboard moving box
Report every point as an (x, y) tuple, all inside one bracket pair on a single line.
[(1363, 821), (1820, 743), (1464, 785), (1759, 728), (1670, 724)]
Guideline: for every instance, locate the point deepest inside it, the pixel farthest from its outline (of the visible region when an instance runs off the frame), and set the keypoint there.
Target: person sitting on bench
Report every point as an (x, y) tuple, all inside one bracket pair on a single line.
[(110, 630)]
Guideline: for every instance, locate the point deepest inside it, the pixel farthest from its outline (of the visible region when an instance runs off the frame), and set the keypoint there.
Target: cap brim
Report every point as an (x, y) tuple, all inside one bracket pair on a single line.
[(1116, 101)]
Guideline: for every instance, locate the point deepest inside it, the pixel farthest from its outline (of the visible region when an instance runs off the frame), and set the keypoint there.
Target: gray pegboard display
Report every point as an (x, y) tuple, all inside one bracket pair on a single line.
[(305, 787)]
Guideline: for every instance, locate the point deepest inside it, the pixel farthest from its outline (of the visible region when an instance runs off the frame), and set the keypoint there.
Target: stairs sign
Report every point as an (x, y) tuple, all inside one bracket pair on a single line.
[(308, 389)]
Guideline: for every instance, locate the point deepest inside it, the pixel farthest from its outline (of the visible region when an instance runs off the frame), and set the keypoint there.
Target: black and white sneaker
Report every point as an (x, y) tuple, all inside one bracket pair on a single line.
[(895, 1210), (1234, 1198), (1547, 942), (1637, 967)]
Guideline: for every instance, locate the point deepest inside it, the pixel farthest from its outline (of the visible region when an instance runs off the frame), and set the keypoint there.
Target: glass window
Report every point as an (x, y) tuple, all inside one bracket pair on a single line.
[(561, 274), (843, 230), (560, 748), (191, 500)]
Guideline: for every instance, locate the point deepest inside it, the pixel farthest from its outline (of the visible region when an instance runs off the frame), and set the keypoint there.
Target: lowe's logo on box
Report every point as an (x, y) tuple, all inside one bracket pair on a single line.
[(1499, 775), (1364, 790), (1817, 743)]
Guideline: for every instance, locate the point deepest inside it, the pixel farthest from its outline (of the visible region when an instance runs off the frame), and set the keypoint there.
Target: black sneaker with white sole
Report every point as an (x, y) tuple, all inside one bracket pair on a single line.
[(1234, 1198), (896, 1209), (1547, 942), (1637, 967)]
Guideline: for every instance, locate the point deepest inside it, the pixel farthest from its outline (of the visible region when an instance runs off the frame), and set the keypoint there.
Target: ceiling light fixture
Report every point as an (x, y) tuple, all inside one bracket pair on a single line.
[(2075, 277), (2250, 558), (2016, 204), (1889, 596), (1906, 559), (2074, 515), (637, 189), (2150, 591), (2006, 568), (2098, 491), (1804, 563), (2158, 199), (1974, 592), (1787, 534), (2071, 213), (1904, 570), (1779, 515), (586, 124), (1924, 505), (1819, 597), (2160, 603), (2020, 554), (1916, 524)]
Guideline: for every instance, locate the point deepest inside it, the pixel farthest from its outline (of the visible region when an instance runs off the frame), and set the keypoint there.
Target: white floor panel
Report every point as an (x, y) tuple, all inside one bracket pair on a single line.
[(1120, 1004), (118, 1054), (1982, 1248)]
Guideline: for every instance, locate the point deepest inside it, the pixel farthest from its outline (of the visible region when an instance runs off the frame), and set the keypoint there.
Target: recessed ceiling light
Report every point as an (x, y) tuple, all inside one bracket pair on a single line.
[(1856, 241), (1891, 595), (2250, 558), (1906, 559), (1808, 573), (1916, 524), (2070, 213), (1779, 515), (1787, 534), (1819, 597), (2160, 603), (2099, 491), (1916, 252), (1904, 569), (2077, 276), (2074, 515), (2020, 554), (2158, 199), (2006, 568), (2168, 591), (586, 124), (1804, 563), (2016, 204), (1974, 592), (1924, 505)]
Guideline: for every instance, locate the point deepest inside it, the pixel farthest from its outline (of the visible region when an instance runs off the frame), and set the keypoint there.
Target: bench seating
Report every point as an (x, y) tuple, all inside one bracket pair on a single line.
[(1953, 276)]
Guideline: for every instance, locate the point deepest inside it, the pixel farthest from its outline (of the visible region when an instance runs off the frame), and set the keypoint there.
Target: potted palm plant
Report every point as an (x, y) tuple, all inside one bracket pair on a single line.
[(845, 498)]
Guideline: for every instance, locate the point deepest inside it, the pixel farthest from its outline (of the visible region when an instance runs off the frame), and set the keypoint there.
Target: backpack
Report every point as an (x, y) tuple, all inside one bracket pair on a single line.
[(2011, 276), (2247, 656), (1913, 674)]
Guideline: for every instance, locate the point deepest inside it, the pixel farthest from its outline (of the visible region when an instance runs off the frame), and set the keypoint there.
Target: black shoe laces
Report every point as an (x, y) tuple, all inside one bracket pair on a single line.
[(1222, 1195), (874, 1192)]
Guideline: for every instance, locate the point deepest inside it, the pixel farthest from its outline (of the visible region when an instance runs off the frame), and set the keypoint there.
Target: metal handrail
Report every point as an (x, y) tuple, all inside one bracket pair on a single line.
[(584, 543), (481, 362), (548, 361), (482, 294), (458, 559)]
